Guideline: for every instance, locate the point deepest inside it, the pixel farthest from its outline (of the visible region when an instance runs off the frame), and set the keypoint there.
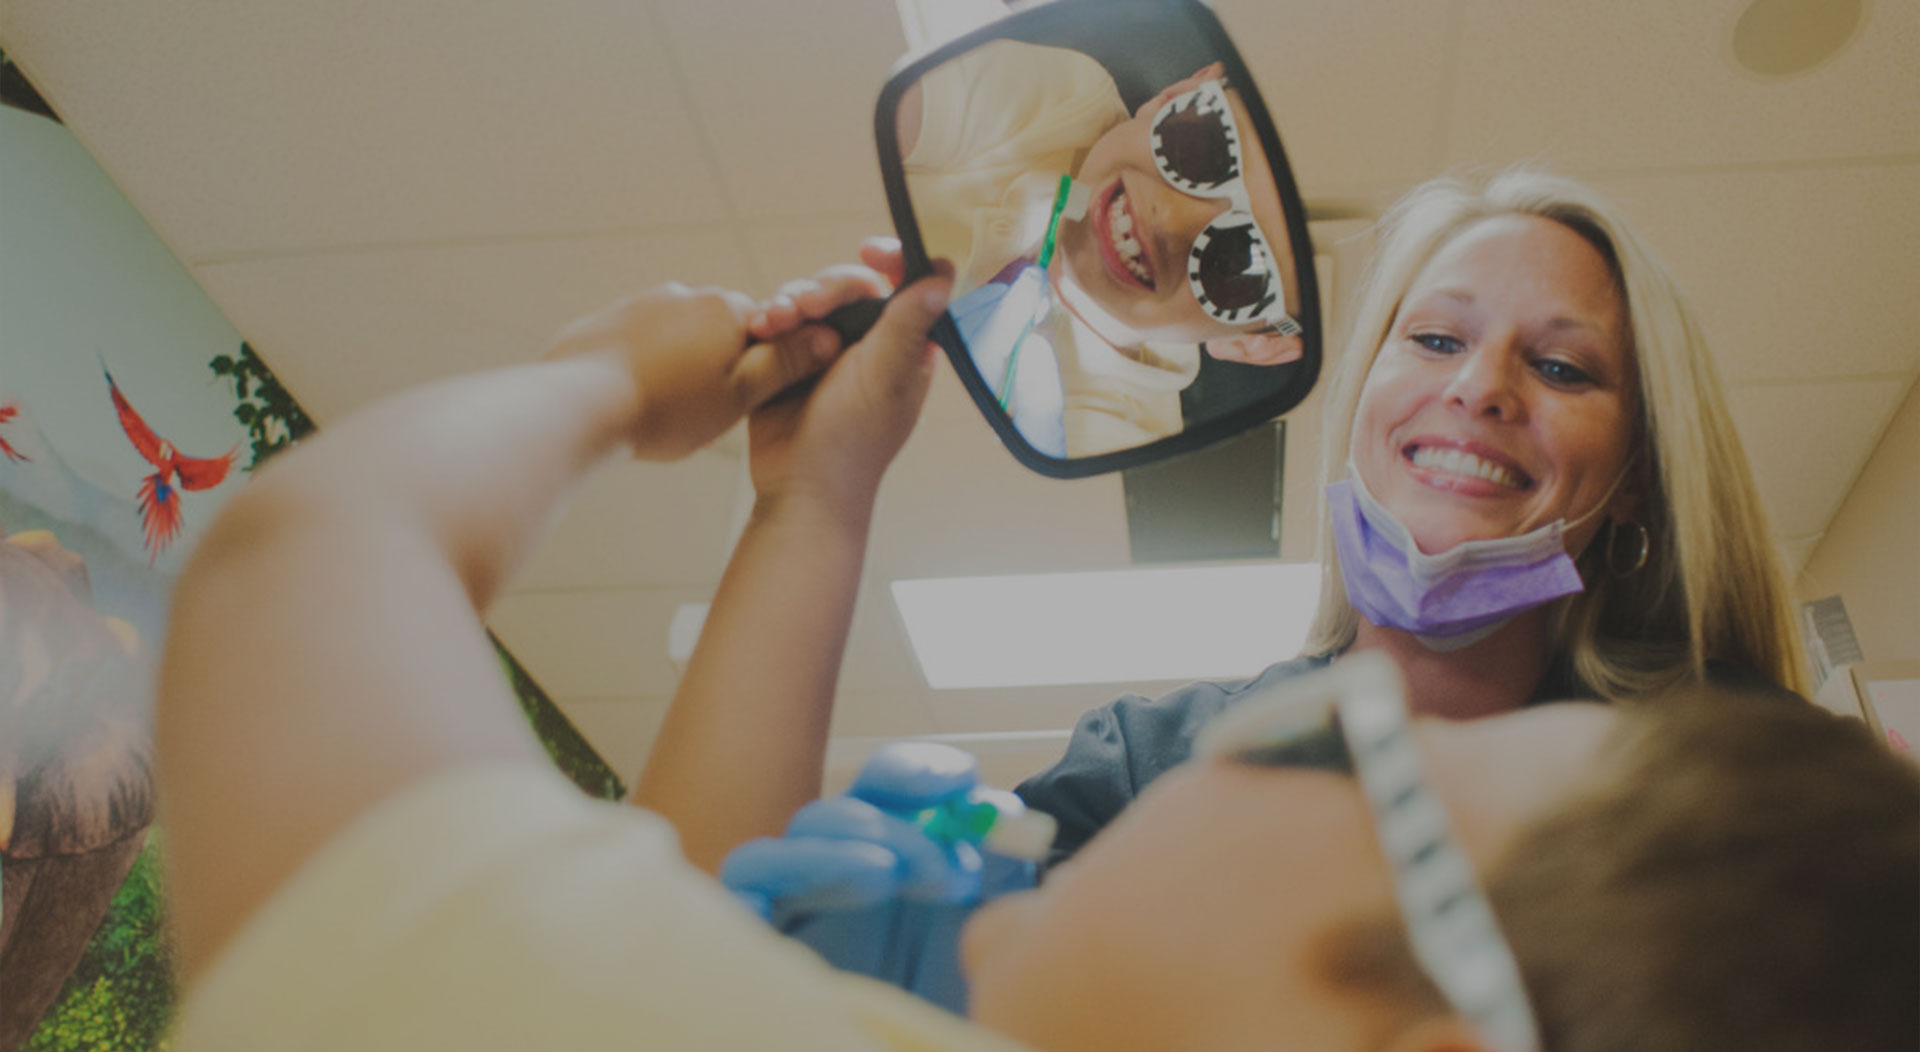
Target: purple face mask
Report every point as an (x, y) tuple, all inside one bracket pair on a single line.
[(1450, 600)]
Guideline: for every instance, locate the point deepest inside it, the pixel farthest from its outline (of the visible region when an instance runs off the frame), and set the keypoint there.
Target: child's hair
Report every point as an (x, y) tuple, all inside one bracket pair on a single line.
[(75, 744), (1744, 874)]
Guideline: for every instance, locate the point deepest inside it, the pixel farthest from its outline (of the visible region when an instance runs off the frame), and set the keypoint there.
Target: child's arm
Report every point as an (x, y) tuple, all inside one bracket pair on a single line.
[(743, 743), (326, 647)]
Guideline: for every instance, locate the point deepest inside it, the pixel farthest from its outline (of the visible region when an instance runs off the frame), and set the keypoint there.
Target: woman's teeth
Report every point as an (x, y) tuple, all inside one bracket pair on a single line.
[(1460, 462), (1120, 231)]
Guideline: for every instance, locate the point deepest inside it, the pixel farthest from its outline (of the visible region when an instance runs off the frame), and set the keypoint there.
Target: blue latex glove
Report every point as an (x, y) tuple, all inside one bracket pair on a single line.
[(857, 879)]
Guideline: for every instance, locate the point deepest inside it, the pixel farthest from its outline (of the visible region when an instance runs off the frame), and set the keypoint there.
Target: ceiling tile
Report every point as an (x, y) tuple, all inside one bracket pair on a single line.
[(784, 249), (786, 94), (956, 502), (608, 643), (343, 328), (243, 128), (1797, 550), (640, 524), (621, 730), (1351, 128), (1649, 84), (1808, 441), (1803, 273), (883, 713)]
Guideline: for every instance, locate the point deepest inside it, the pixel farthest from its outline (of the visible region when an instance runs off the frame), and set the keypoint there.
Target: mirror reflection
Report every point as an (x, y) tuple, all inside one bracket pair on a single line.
[(1125, 266)]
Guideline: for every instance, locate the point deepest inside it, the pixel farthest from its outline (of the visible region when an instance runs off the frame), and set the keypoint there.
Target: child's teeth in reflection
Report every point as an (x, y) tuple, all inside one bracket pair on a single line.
[(1120, 228)]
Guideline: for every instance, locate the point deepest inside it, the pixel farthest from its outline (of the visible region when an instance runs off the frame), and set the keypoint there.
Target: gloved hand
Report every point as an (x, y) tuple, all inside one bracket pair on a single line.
[(878, 881)]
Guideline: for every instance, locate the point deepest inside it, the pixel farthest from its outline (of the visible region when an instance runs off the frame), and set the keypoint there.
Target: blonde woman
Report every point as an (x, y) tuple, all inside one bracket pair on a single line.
[(1709, 581), (1521, 368)]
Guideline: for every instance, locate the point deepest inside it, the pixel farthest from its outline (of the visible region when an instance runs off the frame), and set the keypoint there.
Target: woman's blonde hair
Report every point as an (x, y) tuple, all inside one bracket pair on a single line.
[(1712, 587)]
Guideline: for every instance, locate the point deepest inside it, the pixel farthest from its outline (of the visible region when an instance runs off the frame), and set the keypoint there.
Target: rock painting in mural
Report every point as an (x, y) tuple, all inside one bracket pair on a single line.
[(76, 795)]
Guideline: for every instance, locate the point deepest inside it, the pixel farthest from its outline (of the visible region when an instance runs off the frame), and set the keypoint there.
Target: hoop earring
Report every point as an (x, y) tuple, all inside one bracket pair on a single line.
[(1613, 550)]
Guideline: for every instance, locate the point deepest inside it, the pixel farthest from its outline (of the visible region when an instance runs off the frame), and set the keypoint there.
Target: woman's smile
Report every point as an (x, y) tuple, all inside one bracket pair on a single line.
[(1466, 467)]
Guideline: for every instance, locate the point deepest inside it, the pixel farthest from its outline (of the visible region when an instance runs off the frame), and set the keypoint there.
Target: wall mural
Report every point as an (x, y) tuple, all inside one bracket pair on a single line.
[(127, 418)]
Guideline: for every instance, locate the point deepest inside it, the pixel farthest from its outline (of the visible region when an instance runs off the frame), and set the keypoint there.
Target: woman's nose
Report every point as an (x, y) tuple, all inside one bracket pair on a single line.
[(1183, 215), (1486, 382)]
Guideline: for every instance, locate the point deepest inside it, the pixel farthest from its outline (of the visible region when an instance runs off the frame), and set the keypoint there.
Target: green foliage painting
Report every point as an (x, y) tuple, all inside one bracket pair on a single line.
[(121, 995), (558, 735), (272, 418), (15, 91)]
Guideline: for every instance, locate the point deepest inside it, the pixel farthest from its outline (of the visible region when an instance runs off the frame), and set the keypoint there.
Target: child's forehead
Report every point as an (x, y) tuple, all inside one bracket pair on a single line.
[(1246, 808), (1521, 733), (1497, 774), (1495, 771)]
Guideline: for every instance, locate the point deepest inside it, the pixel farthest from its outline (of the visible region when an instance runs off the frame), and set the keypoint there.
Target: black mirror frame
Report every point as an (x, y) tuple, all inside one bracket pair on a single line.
[(1041, 21)]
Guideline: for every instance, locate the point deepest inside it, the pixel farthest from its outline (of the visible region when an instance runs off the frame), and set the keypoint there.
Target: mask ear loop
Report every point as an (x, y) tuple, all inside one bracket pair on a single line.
[(1606, 498)]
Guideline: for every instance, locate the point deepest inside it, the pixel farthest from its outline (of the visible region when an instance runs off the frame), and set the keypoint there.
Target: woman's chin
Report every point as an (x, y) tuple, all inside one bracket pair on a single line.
[(1435, 534)]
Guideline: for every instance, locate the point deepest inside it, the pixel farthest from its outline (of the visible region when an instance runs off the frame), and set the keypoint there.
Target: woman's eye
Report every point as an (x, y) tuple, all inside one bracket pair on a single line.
[(1436, 342), (1562, 374)]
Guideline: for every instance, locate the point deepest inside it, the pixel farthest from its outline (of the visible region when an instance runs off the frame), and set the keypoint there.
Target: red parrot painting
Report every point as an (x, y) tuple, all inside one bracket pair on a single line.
[(159, 495), (8, 412)]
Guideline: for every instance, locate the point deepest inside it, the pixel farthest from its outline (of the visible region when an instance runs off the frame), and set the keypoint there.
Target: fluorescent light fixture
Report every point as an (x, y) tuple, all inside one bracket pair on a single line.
[(1107, 627)]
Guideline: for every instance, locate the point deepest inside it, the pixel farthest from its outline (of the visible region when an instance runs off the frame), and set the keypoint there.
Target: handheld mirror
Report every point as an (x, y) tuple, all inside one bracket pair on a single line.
[(1134, 278)]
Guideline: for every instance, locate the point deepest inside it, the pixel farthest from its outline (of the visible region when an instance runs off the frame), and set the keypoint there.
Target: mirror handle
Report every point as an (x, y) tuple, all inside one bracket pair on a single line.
[(852, 320)]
